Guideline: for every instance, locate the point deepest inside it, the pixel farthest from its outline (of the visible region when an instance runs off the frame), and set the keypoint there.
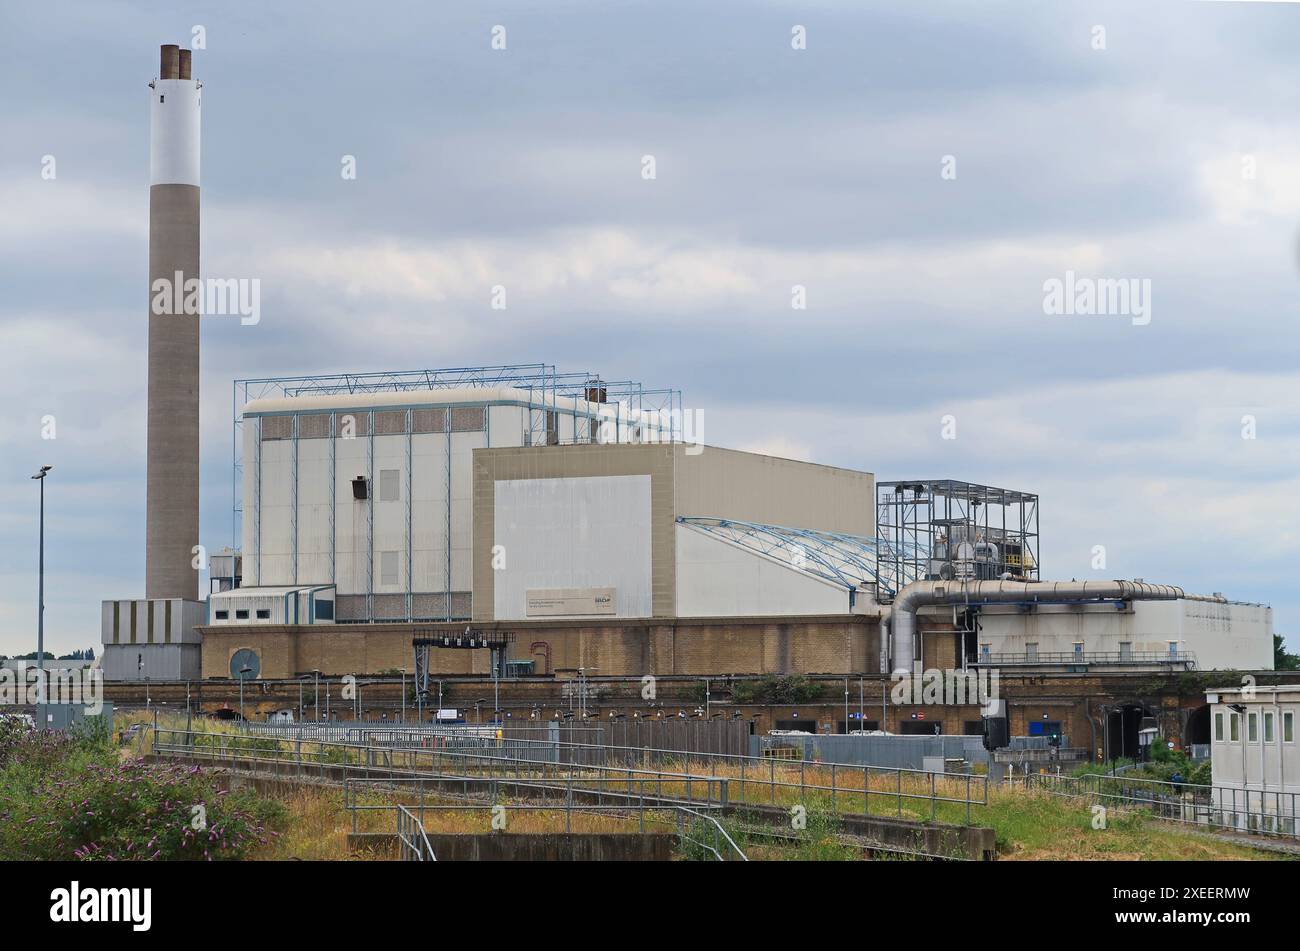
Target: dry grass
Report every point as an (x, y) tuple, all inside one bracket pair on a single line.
[(1029, 825), (317, 829)]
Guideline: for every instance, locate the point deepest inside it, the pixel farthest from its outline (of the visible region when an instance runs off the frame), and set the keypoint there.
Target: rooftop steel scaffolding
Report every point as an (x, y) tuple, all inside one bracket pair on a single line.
[(942, 529)]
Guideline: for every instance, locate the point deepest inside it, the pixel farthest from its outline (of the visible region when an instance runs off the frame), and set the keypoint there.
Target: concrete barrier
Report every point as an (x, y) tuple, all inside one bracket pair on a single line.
[(534, 846)]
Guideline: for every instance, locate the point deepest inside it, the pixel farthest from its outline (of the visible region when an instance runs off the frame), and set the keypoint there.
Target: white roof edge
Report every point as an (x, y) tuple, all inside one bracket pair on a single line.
[(438, 397), (271, 591), (1188, 596)]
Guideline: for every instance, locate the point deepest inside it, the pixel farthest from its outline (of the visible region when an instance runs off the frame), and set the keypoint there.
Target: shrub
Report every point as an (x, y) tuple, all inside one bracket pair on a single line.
[(67, 797), (772, 689)]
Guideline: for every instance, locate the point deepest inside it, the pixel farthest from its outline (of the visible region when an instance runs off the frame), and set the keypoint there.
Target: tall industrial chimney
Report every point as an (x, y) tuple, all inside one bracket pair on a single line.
[(172, 501)]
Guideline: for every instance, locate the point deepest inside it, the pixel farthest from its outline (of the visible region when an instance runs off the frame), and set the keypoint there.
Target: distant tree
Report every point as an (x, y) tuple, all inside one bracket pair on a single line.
[(1281, 659)]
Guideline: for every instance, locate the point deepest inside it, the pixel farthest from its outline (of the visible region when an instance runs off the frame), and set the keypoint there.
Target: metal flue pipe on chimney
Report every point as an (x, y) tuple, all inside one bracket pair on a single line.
[(172, 491), (918, 594)]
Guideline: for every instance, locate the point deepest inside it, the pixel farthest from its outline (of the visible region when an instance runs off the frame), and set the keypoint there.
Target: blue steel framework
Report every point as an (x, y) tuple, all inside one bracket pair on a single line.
[(541, 381), (848, 560)]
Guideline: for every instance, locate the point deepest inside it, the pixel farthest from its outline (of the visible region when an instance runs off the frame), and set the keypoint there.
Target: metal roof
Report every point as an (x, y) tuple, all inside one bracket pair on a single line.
[(838, 557)]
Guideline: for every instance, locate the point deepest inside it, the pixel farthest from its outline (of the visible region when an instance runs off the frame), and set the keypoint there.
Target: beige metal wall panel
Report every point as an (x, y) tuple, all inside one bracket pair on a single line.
[(429, 517), (314, 491), (249, 499), (506, 425), (350, 515), (725, 483), (462, 495), (390, 516), (277, 512)]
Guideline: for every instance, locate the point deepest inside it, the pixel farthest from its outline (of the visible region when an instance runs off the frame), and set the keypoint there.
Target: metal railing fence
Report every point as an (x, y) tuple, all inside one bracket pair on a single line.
[(485, 795), (1226, 808), (412, 842), (722, 779)]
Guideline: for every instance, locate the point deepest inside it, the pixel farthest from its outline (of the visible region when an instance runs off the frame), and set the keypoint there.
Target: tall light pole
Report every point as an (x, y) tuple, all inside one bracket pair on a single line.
[(40, 603), (243, 675), (317, 675)]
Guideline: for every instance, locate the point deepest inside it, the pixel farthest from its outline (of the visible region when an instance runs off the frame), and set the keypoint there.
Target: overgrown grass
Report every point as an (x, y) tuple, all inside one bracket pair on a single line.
[(1035, 825), (819, 839), (72, 797)]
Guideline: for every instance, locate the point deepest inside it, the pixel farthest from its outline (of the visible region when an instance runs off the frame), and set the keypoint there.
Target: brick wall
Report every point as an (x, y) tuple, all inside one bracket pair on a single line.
[(619, 648)]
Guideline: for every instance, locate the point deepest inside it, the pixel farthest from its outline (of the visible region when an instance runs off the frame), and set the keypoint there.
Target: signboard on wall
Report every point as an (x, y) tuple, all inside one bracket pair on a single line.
[(558, 602)]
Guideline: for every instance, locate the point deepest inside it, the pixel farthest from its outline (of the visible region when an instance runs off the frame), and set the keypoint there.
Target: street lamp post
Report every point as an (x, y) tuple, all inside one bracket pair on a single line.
[(40, 603)]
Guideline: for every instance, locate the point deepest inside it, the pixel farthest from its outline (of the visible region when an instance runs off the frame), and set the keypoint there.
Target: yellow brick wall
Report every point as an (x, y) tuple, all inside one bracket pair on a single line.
[(630, 649)]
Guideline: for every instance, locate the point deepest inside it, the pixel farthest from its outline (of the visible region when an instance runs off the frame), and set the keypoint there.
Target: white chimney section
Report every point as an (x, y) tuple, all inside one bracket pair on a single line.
[(174, 132)]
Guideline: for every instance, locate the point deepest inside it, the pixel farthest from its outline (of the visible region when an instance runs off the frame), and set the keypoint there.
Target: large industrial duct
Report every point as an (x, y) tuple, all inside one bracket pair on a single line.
[(918, 594)]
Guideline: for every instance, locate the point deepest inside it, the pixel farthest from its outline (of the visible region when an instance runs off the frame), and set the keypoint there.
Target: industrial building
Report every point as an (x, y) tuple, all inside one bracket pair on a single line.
[(514, 529), (521, 519), (371, 492)]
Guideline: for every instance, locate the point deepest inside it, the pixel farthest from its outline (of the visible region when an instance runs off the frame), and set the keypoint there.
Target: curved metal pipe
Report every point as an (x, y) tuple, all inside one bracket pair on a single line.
[(918, 594)]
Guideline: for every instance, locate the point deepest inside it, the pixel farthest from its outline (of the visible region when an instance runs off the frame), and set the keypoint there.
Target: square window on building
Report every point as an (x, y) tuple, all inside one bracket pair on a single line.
[(389, 490), (1252, 727), (1268, 726), (241, 615), (388, 568), (1218, 727), (1234, 727), (263, 614), (222, 615), (1288, 727)]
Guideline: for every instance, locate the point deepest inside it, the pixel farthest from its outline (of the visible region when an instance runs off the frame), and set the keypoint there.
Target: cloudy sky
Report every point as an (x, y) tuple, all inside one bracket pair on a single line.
[(1155, 140)]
